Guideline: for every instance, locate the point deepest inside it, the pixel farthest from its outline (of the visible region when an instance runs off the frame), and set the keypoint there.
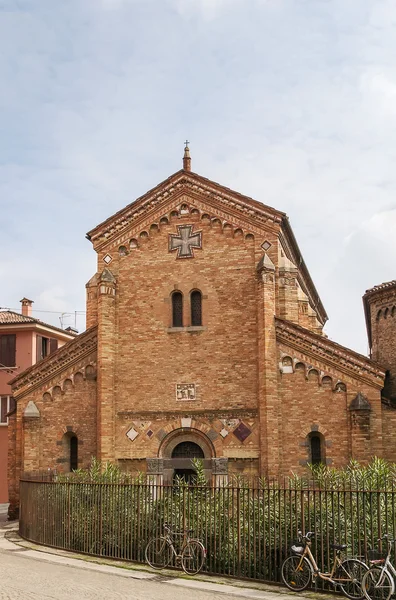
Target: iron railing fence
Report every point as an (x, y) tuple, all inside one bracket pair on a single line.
[(247, 531)]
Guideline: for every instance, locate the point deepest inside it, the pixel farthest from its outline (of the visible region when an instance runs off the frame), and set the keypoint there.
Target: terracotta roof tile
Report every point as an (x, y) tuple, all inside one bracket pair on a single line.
[(382, 286), (8, 317)]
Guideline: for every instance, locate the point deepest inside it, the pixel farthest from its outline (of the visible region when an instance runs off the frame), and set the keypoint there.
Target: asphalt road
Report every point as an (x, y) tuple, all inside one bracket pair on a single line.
[(27, 574)]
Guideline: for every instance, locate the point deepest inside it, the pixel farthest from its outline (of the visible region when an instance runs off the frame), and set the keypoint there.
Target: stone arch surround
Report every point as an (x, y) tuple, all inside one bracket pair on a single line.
[(162, 468), (177, 436)]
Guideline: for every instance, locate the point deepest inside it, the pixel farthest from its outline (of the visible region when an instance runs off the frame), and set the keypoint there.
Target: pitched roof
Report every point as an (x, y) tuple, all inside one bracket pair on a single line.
[(68, 354), (256, 212), (8, 317), (321, 348), (381, 286)]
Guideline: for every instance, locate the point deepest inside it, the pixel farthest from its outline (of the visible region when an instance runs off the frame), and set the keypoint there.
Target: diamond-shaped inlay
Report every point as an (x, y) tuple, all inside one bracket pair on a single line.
[(150, 433), (266, 245), (224, 432), (132, 434), (242, 432), (107, 259)]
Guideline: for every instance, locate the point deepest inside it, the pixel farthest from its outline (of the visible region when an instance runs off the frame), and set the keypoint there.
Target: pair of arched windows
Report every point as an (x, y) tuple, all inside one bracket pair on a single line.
[(195, 308)]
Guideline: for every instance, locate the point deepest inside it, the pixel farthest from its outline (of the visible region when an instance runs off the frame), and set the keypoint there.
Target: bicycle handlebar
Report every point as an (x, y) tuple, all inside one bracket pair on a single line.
[(307, 536), (387, 538)]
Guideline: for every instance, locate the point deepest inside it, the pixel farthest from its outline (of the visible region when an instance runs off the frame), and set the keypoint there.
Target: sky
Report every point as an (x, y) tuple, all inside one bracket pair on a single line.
[(292, 102)]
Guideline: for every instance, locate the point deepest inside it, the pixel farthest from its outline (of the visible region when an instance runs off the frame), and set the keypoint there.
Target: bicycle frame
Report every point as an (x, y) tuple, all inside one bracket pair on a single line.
[(169, 538), (316, 572), (387, 567)]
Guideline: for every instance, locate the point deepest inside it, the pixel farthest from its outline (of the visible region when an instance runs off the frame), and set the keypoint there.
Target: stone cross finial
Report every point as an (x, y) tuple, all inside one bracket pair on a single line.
[(186, 157)]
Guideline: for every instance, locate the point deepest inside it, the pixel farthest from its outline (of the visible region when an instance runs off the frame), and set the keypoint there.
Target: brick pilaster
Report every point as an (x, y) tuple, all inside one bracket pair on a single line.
[(288, 292), (267, 370), (106, 366)]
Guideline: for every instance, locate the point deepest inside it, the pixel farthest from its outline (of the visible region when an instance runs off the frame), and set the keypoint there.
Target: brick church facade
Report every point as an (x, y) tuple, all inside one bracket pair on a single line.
[(204, 338)]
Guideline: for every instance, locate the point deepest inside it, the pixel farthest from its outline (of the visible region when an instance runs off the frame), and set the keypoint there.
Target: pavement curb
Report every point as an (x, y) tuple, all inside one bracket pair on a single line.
[(238, 587)]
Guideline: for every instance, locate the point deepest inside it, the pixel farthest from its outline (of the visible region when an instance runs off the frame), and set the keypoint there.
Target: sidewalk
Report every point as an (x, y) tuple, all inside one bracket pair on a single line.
[(10, 541)]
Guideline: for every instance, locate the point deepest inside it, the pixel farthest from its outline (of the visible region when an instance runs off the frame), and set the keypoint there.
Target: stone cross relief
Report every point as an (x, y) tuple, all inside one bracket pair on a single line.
[(185, 241)]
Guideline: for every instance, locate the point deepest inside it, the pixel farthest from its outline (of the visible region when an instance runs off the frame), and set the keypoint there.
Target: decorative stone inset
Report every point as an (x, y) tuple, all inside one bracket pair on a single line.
[(360, 402), (266, 245), (186, 391), (220, 466), (186, 421), (31, 411), (161, 434), (185, 241), (242, 432), (150, 433), (212, 435), (142, 425), (224, 432), (107, 259), (132, 434), (155, 466), (230, 423)]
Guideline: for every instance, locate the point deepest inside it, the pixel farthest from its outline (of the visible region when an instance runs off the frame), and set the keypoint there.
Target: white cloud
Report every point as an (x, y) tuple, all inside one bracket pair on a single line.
[(292, 103)]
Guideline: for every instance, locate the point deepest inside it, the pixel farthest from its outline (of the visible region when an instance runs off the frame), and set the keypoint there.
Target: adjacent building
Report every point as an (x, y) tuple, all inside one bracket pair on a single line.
[(24, 341)]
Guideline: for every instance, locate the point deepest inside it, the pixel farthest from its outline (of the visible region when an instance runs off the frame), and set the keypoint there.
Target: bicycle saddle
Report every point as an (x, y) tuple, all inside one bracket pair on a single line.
[(339, 546)]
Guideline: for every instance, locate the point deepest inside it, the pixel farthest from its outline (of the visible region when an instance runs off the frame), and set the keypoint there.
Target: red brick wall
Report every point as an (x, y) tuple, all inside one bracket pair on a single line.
[(221, 359), (37, 444), (311, 401), (383, 328)]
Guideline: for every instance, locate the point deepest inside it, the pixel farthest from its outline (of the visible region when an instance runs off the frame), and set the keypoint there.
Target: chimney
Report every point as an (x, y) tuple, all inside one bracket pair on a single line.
[(26, 307), (71, 330)]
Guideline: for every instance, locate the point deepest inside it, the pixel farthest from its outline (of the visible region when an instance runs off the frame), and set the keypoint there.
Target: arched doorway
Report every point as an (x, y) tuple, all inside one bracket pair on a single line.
[(186, 450), (179, 448)]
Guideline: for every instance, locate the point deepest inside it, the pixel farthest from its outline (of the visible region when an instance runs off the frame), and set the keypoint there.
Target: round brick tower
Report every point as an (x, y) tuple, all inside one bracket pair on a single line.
[(380, 310)]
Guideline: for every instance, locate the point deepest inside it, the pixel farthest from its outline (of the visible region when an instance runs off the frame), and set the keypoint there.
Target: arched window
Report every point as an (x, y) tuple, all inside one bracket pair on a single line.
[(315, 449), (177, 309), (188, 450), (73, 453), (196, 308)]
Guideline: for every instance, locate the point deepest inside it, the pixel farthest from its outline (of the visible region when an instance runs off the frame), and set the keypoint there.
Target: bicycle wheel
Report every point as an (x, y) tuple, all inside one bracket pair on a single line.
[(158, 553), (193, 557), (349, 577), (296, 573), (377, 584)]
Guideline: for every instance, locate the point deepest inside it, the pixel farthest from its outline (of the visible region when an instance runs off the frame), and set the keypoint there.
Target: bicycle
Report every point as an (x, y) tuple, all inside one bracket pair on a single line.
[(160, 551), (300, 569), (379, 581)]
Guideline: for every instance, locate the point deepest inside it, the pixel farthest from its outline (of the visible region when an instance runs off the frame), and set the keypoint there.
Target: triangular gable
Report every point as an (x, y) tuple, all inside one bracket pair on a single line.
[(56, 363), (235, 206), (180, 183)]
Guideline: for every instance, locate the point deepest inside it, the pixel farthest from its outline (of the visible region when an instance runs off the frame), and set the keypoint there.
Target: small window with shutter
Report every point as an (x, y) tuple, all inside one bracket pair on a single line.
[(7, 404), (8, 350), (53, 345), (42, 347)]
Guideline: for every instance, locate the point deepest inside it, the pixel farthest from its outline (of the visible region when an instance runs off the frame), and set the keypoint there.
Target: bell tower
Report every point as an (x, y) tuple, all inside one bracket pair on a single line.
[(380, 310)]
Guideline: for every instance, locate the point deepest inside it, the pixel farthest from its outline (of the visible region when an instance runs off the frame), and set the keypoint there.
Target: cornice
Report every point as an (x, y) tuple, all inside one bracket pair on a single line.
[(61, 360), (349, 362), (217, 414), (189, 183)]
